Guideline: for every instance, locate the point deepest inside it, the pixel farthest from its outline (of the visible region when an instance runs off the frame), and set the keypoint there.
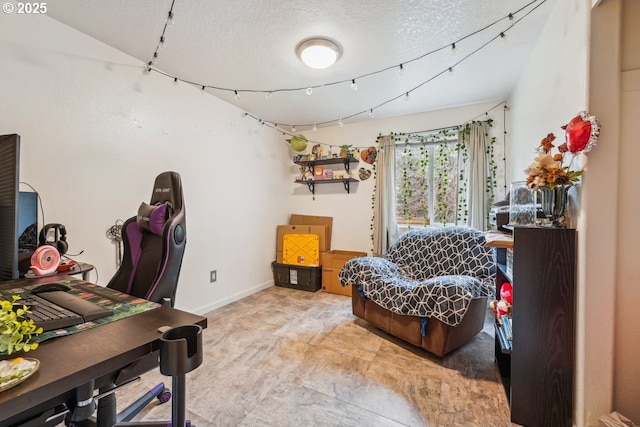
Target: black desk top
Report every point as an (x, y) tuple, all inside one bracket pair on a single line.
[(73, 360)]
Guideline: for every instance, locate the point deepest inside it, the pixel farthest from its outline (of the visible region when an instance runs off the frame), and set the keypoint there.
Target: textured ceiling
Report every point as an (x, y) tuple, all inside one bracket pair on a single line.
[(250, 45)]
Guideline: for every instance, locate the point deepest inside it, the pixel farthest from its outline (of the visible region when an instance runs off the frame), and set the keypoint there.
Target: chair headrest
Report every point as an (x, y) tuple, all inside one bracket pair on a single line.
[(168, 188)]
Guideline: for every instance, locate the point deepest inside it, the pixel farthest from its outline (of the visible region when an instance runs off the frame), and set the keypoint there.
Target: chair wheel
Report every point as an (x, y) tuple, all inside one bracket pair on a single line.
[(165, 396)]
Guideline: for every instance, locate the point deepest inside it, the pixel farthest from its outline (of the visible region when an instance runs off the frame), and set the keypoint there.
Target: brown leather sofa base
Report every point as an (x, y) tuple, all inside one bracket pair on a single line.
[(440, 338)]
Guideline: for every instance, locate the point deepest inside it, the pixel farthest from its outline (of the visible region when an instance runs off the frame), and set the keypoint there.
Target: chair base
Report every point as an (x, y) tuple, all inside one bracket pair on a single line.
[(440, 338)]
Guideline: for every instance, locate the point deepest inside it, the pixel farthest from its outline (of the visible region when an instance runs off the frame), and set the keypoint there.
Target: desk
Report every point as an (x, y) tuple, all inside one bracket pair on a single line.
[(78, 268), (73, 360)]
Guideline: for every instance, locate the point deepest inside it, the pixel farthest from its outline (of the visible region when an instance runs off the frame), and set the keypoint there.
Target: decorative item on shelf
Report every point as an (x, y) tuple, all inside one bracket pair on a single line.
[(317, 151), (548, 173), (503, 307), (369, 155), (318, 172), (344, 151), (338, 176), (303, 172), (328, 174), (522, 204)]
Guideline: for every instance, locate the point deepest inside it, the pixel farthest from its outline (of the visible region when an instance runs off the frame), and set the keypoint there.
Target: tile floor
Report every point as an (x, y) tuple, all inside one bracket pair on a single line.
[(284, 357)]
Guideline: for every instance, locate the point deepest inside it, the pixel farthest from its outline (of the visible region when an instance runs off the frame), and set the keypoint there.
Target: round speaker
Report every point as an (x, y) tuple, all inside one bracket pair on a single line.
[(45, 260)]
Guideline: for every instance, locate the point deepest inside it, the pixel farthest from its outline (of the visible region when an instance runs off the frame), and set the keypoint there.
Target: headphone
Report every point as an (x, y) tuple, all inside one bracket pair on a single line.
[(60, 237)]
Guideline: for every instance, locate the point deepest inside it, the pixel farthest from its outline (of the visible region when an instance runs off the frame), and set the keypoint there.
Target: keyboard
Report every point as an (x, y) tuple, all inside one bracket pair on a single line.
[(59, 309)]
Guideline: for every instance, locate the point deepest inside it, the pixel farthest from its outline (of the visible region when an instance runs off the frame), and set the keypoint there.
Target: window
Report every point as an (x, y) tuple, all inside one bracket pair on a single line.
[(429, 188)]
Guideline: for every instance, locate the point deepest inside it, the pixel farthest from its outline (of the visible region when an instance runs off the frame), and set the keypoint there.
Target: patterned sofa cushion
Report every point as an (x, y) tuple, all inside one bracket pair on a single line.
[(429, 272)]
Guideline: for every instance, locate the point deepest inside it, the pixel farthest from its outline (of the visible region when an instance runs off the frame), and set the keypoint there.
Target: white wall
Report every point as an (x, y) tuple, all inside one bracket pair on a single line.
[(96, 132), (352, 212)]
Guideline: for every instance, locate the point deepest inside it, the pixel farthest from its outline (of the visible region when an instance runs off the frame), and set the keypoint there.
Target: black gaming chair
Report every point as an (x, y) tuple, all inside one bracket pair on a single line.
[(154, 243)]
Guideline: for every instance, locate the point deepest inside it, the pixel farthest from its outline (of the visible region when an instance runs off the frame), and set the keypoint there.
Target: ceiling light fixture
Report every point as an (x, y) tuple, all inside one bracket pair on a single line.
[(318, 53)]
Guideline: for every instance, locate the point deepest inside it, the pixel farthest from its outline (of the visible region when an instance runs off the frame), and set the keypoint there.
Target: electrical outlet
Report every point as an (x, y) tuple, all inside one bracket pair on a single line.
[(213, 276)]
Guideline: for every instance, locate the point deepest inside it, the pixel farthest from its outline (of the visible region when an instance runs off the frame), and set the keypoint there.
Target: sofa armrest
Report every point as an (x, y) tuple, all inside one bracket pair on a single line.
[(358, 271)]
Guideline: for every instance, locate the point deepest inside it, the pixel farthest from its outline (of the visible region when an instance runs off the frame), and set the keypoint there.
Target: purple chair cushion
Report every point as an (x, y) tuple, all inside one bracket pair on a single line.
[(152, 217)]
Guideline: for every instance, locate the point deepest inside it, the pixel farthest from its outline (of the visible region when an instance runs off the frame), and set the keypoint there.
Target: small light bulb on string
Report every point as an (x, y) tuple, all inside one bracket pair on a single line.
[(453, 47), (503, 35), (267, 95), (175, 81), (406, 96), (340, 123), (293, 128), (511, 17), (202, 89), (171, 19), (309, 90), (163, 43), (314, 128), (155, 57), (354, 85), (236, 95), (450, 70), (400, 70), (147, 69), (371, 113)]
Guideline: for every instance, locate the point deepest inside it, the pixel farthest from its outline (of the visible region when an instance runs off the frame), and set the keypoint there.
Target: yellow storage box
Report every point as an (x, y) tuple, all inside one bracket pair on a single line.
[(301, 249)]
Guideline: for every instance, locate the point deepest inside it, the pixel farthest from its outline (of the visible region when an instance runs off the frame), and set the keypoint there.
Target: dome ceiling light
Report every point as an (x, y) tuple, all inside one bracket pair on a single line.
[(318, 53)]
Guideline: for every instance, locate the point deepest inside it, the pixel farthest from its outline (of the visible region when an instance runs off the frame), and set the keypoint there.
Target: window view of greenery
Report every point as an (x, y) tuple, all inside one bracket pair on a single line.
[(427, 190)]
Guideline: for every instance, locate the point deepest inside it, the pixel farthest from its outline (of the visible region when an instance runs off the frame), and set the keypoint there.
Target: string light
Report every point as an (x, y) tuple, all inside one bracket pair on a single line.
[(175, 81), (453, 46), (406, 96), (163, 43), (202, 90), (171, 18), (155, 57), (309, 90), (400, 67), (371, 113), (354, 85), (314, 128), (293, 129), (400, 70), (267, 95)]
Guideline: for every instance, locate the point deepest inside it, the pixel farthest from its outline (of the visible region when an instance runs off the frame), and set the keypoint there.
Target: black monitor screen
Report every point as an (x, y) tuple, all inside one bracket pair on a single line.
[(27, 221), (9, 178)]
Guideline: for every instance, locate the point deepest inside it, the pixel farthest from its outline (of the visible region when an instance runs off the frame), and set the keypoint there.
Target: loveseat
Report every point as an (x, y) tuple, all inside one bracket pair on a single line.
[(430, 288)]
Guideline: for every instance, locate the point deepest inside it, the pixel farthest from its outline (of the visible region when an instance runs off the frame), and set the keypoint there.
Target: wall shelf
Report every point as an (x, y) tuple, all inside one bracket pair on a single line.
[(310, 164)]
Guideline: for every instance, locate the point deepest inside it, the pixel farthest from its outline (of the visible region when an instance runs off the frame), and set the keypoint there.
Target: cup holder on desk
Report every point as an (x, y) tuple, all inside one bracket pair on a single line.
[(180, 350)]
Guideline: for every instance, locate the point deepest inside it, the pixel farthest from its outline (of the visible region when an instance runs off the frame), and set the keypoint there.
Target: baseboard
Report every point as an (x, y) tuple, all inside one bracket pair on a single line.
[(232, 298)]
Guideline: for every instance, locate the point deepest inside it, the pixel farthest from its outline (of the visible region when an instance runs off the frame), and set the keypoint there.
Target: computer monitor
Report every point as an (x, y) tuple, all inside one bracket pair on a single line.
[(27, 221), (9, 181)]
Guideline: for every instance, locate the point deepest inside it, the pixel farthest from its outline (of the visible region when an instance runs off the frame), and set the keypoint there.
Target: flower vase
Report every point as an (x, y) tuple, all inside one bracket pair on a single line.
[(554, 203)]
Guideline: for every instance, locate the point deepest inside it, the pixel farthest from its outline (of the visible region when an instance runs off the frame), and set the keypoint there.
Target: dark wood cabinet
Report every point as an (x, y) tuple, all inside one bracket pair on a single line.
[(537, 365)]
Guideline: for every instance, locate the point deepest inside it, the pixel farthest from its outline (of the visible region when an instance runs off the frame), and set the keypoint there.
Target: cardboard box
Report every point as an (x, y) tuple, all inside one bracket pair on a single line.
[(333, 262), (297, 277), (326, 221)]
